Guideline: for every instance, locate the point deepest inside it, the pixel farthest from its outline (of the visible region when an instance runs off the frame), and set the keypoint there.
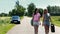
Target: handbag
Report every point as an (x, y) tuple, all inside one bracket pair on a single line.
[(52, 28), (32, 22)]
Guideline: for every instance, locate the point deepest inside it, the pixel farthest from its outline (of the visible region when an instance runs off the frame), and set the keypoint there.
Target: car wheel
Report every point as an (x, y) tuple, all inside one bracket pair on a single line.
[(18, 22)]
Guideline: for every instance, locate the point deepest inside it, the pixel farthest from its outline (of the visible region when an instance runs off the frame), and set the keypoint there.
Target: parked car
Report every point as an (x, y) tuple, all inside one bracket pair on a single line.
[(15, 20)]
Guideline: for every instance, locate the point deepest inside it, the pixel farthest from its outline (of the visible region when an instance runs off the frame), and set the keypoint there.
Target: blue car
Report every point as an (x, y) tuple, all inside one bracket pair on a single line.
[(15, 20)]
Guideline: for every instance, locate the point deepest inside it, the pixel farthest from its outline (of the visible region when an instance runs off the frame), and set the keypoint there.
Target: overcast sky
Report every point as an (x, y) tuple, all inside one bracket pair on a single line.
[(7, 5)]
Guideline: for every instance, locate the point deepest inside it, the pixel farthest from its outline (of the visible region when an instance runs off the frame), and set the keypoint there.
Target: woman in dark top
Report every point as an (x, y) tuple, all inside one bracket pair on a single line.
[(46, 21)]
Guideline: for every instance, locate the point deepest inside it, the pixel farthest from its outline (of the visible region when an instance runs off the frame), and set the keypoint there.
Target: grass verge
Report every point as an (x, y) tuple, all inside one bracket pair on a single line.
[(5, 25), (56, 20)]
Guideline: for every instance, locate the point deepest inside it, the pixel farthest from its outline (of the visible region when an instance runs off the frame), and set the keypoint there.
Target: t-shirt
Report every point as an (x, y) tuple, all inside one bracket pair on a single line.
[(48, 14), (46, 17), (36, 17)]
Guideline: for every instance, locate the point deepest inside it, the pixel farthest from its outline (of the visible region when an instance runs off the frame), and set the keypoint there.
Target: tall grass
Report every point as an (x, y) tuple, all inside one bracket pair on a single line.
[(56, 20), (5, 25)]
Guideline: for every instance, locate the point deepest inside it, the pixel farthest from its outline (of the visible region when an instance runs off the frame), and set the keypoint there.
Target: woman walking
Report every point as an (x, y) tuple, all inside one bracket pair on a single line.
[(36, 19), (46, 21)]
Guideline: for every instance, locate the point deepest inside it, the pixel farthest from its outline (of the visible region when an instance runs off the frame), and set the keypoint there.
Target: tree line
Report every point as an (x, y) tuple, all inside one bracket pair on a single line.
[(21, 11), (54, 10)]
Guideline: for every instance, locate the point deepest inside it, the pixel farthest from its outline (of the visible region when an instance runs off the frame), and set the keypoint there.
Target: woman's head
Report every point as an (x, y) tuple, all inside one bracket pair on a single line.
[(45, 11), (36, 11)]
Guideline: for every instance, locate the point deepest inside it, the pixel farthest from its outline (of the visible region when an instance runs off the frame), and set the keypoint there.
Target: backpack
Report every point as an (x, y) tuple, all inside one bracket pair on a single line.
[(52, 28)]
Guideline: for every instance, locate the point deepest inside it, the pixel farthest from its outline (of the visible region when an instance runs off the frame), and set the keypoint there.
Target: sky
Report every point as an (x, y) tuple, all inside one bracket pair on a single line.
[(8, 5)]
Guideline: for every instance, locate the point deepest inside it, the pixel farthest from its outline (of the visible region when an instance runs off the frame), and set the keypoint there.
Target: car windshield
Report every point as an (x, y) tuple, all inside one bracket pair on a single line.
[(15, 17)]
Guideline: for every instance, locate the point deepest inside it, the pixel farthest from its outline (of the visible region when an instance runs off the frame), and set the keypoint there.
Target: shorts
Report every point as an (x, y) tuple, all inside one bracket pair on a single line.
[(47, 23), (35, 23)]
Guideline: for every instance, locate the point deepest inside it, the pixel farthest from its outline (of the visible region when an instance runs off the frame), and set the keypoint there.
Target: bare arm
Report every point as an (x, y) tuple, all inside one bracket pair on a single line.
[(43, 18), (39, 18), (33, 16), (50, 18), (43, 21)]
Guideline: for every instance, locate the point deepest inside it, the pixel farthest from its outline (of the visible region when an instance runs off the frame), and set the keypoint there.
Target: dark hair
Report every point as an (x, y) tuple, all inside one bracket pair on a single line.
[(45, 10), (35, 11)]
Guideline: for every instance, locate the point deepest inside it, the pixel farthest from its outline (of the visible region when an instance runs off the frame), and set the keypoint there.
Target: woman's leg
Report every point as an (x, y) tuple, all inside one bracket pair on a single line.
[(36, 29), (46, 29)]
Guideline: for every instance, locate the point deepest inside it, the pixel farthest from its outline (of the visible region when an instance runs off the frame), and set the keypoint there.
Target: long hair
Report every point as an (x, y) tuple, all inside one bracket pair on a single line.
[(45, 11), (35, 11)]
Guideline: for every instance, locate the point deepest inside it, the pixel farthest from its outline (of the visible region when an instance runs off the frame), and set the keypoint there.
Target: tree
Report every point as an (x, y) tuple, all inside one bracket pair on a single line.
[(10, 13), (25, 13), (54, 10), (3, 14), (41, 11), (18, 10), (30, 9), (49, 9)]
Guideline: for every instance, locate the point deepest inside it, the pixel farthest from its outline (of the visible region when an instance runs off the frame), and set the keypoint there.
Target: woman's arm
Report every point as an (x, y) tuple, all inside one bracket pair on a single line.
[(43, 20), (50, 19), (33, 16), (39, 18)]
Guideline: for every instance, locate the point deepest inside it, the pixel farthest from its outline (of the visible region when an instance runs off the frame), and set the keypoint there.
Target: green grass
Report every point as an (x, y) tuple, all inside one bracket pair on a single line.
[(56, 20), (5, 25)]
